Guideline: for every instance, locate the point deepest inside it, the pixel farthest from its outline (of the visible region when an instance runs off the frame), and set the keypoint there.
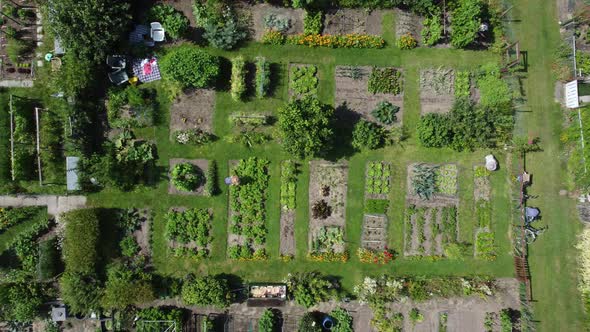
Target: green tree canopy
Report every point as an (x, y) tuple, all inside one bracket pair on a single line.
[(305, 126), (89, 28)]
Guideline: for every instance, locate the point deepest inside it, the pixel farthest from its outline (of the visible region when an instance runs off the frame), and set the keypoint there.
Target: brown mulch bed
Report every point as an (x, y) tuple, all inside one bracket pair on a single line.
[(347, 21), (287, 244), (433, 99)]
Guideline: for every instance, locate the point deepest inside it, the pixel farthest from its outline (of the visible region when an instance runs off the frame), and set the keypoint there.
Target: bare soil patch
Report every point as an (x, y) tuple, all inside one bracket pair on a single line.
[(203, 164), (260, 11), (324, 174), (287, 246), (437, 90), (408, 23), (347, 21), (142, 235), (193, 110), (374, 236), (353, 95)]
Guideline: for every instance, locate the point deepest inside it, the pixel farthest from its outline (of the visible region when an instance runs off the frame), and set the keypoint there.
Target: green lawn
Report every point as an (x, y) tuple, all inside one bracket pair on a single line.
[(275, 269), (552, 258)]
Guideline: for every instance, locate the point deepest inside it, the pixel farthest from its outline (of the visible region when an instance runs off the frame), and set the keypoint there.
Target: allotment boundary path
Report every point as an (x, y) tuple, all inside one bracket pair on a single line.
[(56, 205)]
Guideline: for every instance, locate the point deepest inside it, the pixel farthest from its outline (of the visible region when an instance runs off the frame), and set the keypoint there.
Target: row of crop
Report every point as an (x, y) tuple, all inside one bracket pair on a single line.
[(273, 37), (247, 202), (378, 178), (303, 80), (485, 247), (288, 184), (238, 78), (12, 216), (23, 127), (190, 226)]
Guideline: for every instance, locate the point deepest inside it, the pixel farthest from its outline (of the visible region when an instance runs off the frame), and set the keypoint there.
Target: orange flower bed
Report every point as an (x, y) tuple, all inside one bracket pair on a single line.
[(376, 257), (337, 41), (328, 257)]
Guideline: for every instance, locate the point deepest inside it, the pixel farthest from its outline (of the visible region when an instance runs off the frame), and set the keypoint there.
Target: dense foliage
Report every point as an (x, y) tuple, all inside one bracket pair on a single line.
[(495, 92), (211, 188), (13, 216), (190, 66), (367, 135), (238, 78), (20, 301), (465, 22), (158, 314), (206, 290), (305, 127), (386, 80), (186, 176), (81, 239), (137, 103), (126, 285), (91, 30), (336, 41), (310, 288), (174, 22), (343, 320), (190, 225), (432, 29), (288, 184), (303, 80), (220, 23), (262, 77), (267, 321)]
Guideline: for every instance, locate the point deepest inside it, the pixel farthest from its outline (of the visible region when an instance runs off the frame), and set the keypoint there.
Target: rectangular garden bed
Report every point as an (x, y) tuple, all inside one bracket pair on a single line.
[(374, 236), (354, 100), (288, 205), (484, 234), (429, 228), (352, 21), (327, 208), (432, 181), (247, 227), (19, 39), (192, 111), (188, 232), (437, 90), (303, 80)]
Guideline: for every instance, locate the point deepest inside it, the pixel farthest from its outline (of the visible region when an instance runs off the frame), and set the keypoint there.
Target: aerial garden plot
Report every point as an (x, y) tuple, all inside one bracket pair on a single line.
[(295, 146)]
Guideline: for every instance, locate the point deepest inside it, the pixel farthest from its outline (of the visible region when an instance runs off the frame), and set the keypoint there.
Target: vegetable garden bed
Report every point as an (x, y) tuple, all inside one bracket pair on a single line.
[(442, 184), (303, 80), (429, 227), (192, 111), (374, 236), (189, 232), (202, 165), (288, 205), (437, 90), (348, 21), (19, 40), (247, 227), (354, 96), (485, 247), (327, 209)]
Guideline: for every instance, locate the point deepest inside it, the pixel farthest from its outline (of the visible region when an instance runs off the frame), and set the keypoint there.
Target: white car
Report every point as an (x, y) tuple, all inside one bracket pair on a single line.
[(157, 32)]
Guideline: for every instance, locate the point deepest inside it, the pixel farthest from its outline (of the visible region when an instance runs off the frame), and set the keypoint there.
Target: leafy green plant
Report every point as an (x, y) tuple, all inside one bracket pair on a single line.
[(304, 126), (288, 184), (16, 48), (313, 22), (462, 84), (321, 210), (343, 320), (310, 288), (465, 22), (385, 80), (446, 179), (262, 77), (407, 42), (424, 180), (190, 225), (485, 247), (495, 92), (174, 22), (377, 179), (81, 240), (303, 80), (186, 176), (432, 29), (307, 323), (238, 78), (206, 290), (385, 113), (129, 246), (225, 34), (367, 135), (277, 22), (194, 136), (190, 66), (267, 321), (272, 37), (483, 213)]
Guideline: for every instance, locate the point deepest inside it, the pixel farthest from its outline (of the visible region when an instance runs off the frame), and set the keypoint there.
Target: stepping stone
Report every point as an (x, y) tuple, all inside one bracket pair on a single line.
[(39, 63)]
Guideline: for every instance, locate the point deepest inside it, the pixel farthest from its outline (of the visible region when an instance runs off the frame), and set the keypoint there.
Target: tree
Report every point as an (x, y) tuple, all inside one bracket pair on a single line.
[(25, 299), (465, 22), (126, 286), (81, 239), (305, 126), (80, 292), (89, 28), (367, 135), (190, 66), (207, 290)]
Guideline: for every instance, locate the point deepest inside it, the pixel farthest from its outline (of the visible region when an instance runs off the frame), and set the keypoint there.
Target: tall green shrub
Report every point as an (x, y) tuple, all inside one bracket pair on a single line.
[(262, 77), (81, 240), (238, 78)]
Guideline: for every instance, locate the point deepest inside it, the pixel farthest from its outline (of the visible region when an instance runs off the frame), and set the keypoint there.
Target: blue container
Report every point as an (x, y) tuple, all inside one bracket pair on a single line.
[(328, 323)]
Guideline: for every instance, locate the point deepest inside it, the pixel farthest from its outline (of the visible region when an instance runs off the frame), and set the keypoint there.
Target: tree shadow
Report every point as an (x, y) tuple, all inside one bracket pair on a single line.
[(343, 124)]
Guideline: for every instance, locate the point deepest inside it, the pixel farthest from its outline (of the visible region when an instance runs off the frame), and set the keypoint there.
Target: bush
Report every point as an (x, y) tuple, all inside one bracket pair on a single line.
[(194, 136), (81, 239), (307, 323), (262, 77), (303, 79), (313, 22), (190, 66), (129, 246), (367, 135), (174, 22), (385, 113), (310, 288), (238, 78), (192, 225), (186, 176), (267, 321), (25, 300), (126, 286), (343, 320), (305, 126), (465, 22), (211, 188), (386, 80), (225, 36), (432, 30), (337, 41), (206, 290), (80, 292), (272, 37), (495, 92), (434, 130), (407, 42)]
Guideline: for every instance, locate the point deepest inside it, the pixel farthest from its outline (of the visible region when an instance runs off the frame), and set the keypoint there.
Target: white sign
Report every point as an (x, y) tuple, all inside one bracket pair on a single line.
[(571, 95)]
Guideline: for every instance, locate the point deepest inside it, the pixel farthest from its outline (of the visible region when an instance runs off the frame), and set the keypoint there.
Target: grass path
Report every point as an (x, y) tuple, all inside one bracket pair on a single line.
[(552, 258)]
